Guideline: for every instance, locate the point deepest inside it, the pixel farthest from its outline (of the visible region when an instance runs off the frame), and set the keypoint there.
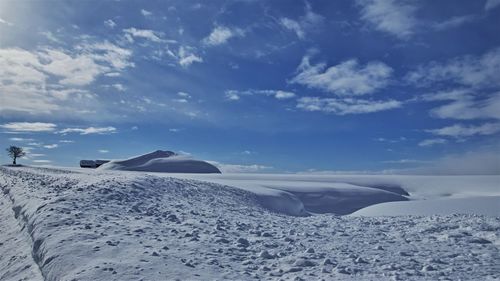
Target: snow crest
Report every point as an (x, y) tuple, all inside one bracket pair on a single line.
[(161, 161)]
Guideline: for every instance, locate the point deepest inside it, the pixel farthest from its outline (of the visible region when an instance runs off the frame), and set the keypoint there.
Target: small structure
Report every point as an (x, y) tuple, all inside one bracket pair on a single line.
[(92, 163), (88, 164)]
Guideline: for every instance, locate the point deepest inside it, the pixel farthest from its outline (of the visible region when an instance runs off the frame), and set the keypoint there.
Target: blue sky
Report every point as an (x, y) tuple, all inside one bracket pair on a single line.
[(256, 86)]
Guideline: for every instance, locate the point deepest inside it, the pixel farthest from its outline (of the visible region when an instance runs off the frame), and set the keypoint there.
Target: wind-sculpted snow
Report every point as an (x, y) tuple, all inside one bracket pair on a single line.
[(97, 225), (161, 161)]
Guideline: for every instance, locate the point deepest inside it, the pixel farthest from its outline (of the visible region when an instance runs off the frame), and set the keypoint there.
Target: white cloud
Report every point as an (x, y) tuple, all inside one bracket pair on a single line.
[(119, 87), (186, 57), (232, 95), (221, 34), (459, 130), (278, 94), (469, 107), (66, 141), (346, 105), (491, 4), (404, 161), (51, 146), (394, 17), (283, 95), (77, 70), (50, 36), (2, 21), (431, 142), (49, 80), (41, 161), (20, 139), (103, 151), (146, 13), (174, 130), (305, 23), (131, 33), (454, 22), (184, 95), (89, 130), (109, 23), (400, 139), (474, 71), (180, 100), (348, 78), (29, 127)]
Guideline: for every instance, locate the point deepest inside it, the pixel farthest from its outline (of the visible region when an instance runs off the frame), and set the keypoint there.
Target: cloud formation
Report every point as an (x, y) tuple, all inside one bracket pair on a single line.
[(278, 94), (345, 106), (89, 130), (432, 142), (472, 71), (29, 126), (348, 78), (221, 34), (393, 17), (305, 23), (459, 130)]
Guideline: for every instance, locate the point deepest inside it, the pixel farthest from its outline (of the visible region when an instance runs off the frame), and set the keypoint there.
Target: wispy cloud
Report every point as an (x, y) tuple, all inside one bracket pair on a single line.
[(110, 23), (41, 161), (89, 130), (473, 71), (20, 139), (345, 106), (131, 33), (432, 142), (491, 4), (221, 34), (348, 78), (186, 56), (103, 151), (51, 146), (454, 22), (2, 21), (301, 26), (278, 94), (29, 126), (146, 13), (394, 17), (459, 130)]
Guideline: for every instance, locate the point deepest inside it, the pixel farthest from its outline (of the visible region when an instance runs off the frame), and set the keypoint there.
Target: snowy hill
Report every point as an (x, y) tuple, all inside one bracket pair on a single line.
[(75, 224), (161, 161)]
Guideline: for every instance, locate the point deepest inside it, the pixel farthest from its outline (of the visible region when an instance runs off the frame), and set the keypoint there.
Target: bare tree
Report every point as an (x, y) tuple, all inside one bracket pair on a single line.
[(15, 152)]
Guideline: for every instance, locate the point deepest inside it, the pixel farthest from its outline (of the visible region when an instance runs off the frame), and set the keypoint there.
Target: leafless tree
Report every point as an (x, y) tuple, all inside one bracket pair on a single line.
[(15, 152)]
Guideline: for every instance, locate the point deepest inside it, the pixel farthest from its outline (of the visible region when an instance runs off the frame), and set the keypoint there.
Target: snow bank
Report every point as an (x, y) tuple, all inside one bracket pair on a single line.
[(488, 206), (300, 196), (161, 161)]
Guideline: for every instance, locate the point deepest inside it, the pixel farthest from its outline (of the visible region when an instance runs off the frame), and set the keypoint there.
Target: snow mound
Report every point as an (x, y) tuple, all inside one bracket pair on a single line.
[(161, 161)]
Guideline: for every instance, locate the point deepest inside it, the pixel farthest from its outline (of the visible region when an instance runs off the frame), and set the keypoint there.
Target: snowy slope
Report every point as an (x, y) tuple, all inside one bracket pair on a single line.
[(161, 161), (114, 225)]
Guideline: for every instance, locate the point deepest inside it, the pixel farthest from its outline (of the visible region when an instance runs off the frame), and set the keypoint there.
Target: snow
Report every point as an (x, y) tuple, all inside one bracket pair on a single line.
[(80, 224), (161, 161)]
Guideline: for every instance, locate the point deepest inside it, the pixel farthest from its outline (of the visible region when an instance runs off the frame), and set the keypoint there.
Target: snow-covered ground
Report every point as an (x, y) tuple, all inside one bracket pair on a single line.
[(75, 224)]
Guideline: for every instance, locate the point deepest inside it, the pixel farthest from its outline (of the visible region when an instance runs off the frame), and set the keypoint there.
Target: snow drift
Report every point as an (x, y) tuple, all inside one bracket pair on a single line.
[(162, 161)]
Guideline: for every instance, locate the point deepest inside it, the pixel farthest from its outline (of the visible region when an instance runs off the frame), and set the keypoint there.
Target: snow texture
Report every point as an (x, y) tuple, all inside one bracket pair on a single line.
[(77, 224)]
